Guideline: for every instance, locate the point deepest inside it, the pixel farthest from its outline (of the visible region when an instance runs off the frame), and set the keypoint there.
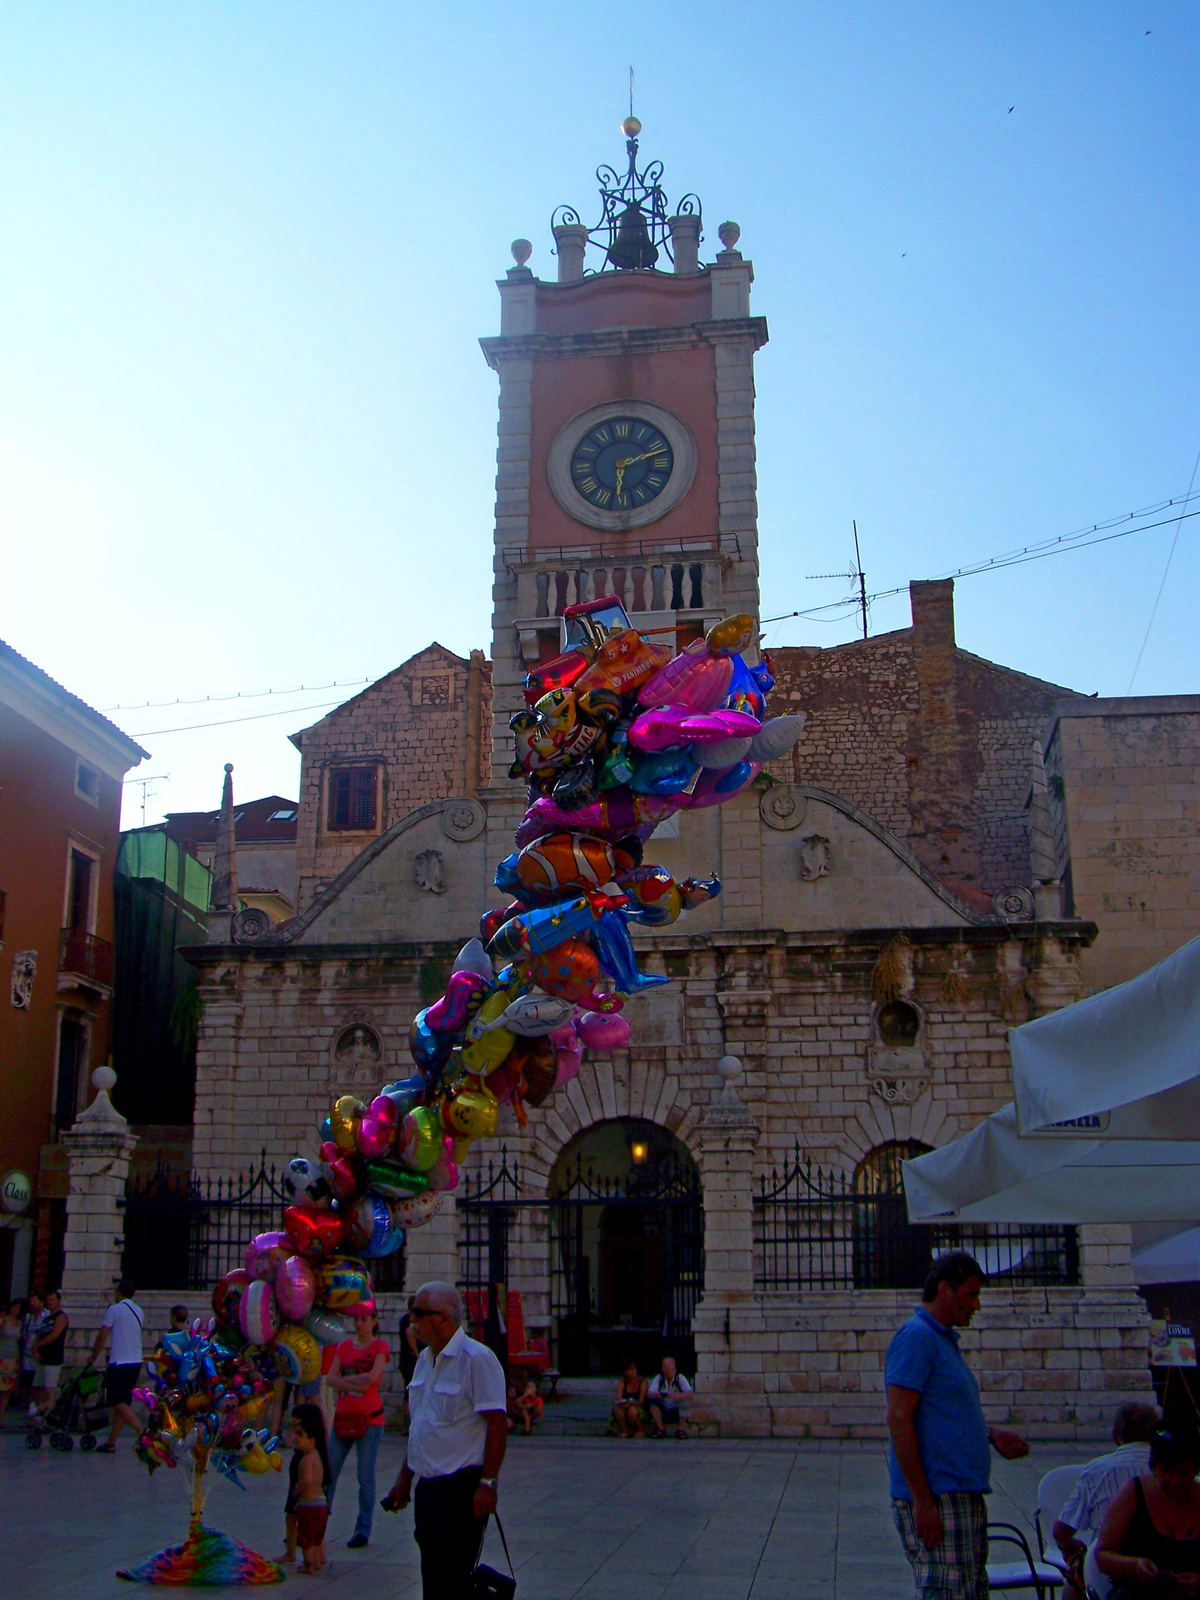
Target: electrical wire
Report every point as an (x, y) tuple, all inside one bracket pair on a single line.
[(261, 716), (1162, 585), (216, 699)]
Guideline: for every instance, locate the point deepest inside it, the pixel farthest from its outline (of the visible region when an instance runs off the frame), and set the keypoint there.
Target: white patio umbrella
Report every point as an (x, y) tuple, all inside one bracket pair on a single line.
[(993, 1175), (1172, 1260), (1124, 1064)]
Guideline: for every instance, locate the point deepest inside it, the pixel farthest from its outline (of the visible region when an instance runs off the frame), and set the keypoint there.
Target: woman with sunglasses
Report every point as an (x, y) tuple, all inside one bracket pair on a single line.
[(1149, 1545)]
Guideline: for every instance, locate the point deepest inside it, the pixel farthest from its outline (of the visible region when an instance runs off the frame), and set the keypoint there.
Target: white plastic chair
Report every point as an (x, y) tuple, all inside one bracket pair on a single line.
[(1027, 1573), (1055, 1489)]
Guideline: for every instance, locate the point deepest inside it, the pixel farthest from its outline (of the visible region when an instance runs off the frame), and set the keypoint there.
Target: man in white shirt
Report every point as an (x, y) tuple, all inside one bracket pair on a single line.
[(1134, 1427), (123, 1323), (668, 1391), (457, 1434)]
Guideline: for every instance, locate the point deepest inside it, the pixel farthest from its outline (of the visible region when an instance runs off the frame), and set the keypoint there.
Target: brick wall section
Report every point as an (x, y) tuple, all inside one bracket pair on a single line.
[(928, 739), (1124, 777), (426, 724)]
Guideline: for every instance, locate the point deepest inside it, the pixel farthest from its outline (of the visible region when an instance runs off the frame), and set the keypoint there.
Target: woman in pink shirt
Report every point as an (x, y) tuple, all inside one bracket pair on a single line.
[(358, 1416)]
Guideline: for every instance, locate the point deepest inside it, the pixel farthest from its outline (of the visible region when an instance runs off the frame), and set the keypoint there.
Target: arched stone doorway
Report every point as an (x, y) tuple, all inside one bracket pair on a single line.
[(627, 1252)]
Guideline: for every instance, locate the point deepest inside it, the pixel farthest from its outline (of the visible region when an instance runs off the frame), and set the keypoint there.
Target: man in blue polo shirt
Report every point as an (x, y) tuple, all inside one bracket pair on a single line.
[(939, 1462)]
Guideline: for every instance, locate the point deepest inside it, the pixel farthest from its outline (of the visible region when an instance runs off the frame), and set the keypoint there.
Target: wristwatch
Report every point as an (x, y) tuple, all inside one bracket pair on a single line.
[(487, 1483)]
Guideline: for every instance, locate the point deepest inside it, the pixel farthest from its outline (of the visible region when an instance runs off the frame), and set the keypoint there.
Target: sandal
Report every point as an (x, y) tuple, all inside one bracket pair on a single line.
[(105, 1450)]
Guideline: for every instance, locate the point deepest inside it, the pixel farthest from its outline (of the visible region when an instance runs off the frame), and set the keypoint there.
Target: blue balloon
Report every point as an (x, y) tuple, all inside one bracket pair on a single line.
[(744, 692), (506, 879), (663, 772), (733, 780), (610, 937), (428, 1049)]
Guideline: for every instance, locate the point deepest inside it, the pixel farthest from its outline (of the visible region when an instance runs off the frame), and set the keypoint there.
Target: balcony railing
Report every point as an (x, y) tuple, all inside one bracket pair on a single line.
[(84, 955)]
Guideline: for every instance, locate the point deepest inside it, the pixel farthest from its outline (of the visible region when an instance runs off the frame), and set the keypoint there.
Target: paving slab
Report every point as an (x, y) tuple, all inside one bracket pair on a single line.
[(586, 1519)]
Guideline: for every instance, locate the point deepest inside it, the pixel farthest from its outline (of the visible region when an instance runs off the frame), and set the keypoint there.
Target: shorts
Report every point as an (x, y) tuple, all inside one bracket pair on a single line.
[(46, 1377), (311, 1522), (957, 1569), (119, 1383), (668, 1407)]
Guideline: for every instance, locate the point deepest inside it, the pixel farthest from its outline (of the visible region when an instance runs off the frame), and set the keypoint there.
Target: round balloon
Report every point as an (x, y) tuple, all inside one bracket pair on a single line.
[(325, 1327), (297, 1354), (295, 1288), (266, 1254), (227, 1295), (342, 1282), (258, 1314), (415, 1213)]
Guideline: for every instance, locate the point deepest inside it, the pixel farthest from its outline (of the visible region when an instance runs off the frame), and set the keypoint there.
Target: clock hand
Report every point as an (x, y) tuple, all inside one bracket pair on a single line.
[(628, 461)]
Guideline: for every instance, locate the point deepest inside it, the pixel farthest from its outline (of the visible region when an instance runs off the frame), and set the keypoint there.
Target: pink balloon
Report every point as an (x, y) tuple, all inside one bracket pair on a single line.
[(443, 1174), (452, 1012), (603, 1033), (376, 1131), (569, 1049), (696, 680), (665, 726), (295, 1288), (266, 1254)]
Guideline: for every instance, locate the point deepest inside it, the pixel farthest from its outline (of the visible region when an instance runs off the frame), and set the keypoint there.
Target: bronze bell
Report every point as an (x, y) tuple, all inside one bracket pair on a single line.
[(633, 246)]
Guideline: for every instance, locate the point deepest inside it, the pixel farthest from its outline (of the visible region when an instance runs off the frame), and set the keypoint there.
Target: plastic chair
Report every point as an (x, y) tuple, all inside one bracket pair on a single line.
[(533, 1354), (1053, 1493), (1039, 1576)]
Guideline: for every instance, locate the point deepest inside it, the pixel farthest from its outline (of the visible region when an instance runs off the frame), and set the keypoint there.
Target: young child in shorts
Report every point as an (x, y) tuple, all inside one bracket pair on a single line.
[(306, 1513), (530, 1405)]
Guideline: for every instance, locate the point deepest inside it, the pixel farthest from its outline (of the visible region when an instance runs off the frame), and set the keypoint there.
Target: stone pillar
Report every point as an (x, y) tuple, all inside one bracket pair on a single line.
[(685, 243), (100, 1145), (570, 239), (431, 1252), (728, 1323)]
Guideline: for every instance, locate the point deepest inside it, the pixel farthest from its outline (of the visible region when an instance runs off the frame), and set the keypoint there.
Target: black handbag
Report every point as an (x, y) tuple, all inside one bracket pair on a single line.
[(487, 1583)]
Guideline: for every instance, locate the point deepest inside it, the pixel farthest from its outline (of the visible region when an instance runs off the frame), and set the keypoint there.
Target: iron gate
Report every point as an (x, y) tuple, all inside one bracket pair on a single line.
[(624, 1258)]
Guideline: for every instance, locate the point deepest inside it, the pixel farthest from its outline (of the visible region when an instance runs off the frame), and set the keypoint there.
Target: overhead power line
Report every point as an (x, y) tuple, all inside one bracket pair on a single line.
[(255, 694), (1063, 544), (261, 716)]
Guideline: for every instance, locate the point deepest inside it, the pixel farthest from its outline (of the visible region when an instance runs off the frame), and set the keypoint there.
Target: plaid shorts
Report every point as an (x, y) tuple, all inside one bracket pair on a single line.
[(957, 1569)]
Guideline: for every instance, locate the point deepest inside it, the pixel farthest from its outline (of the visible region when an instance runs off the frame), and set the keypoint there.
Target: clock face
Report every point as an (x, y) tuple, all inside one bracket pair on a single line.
[(621, 464)]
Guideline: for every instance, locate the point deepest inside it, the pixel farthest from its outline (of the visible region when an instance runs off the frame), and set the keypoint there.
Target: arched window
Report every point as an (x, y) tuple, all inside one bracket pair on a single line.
[(889, 1253)]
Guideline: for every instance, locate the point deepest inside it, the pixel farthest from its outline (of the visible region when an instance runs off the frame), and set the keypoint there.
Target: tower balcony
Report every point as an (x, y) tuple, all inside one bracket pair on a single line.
[(85, 961)]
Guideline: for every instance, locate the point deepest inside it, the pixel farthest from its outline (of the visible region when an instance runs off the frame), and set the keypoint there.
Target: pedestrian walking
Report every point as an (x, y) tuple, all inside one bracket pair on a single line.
[(49, 1348), (121, 1329), (456, 1441), (32, 1324), (940, 1461)]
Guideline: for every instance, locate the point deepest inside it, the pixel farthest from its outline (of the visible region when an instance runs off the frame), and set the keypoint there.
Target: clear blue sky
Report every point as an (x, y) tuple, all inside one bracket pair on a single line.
[(246, 433)]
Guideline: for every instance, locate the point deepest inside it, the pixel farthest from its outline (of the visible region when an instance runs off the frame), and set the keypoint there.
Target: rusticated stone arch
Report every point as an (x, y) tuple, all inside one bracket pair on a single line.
[(602, 1091), (874, 1123)]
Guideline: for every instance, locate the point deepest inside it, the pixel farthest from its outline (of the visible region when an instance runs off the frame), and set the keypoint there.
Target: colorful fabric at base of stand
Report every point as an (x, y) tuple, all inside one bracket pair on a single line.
[(206, 1559)]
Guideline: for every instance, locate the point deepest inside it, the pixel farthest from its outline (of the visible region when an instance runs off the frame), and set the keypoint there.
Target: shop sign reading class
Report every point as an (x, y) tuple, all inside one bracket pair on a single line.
[(16, 1191)]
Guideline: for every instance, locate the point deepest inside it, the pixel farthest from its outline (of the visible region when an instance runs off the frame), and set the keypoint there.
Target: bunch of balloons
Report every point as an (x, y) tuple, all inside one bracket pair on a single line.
[(616, 736), (205, 1391)]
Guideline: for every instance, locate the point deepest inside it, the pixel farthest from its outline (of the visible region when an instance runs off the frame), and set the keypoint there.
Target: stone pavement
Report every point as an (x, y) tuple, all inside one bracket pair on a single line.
[(586, 1519)]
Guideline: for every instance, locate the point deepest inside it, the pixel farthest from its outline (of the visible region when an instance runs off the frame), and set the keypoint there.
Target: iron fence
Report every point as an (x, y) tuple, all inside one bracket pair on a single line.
[(823, 1230), (182, 1232)]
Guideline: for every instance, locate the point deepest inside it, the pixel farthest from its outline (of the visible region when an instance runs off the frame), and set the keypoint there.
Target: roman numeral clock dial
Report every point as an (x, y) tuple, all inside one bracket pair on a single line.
[(622, 464)]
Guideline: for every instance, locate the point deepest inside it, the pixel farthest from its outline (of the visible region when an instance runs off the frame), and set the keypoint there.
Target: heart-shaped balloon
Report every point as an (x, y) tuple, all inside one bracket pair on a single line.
[(295, 1287), (428, 1141), (443, 1174), (314, 1234)]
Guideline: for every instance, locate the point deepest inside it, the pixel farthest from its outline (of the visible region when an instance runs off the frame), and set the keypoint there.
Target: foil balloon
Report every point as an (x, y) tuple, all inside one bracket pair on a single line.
[(696, 680), (297, 1355), (540, 929), (378, 1127), (487, 1043), (531, 1015), (390, 1178), (295, 1288), (715, 787), (258, 1313), (344, 1121), (775, 738), (732, 635), (227, 1295), (303, 1183), (415, 1213), (266, 1254), (551, 867), (725, 753), (611, 939), (573, 971), (603, 1033), (618, 815), (427, 1143), (471, 1113), (342, 1283), (325, 1327), (443, 1174), (533, 1069), (568, 1047), (428, 1048), (452, 1013), (474, 958), (313, 1234), (655, 899)]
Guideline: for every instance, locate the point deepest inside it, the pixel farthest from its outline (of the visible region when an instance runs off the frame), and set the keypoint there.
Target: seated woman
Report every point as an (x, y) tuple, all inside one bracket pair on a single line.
[(1150, 1542), (629, 1407)]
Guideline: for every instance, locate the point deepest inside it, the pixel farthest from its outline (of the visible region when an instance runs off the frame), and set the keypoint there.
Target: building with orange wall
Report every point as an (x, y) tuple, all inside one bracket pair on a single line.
[(61, 768)]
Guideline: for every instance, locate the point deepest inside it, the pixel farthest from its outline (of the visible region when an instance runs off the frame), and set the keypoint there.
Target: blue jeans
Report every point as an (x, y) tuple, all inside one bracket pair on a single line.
[(368, 1451)]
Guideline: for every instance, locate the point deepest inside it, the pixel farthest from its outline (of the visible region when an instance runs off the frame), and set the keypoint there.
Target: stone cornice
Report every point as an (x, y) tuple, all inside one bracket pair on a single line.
[(624, 341)]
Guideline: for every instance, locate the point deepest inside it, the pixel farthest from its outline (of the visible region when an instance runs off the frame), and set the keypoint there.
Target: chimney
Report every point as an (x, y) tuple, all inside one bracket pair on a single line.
[(932, 605)]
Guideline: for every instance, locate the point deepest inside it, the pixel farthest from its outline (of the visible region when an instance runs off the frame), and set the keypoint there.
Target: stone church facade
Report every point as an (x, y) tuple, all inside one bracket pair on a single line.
[(890, 909)]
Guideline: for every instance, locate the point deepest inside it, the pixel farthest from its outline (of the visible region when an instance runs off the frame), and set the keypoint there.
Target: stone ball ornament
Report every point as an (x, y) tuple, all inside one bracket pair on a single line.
[(104, 1078)]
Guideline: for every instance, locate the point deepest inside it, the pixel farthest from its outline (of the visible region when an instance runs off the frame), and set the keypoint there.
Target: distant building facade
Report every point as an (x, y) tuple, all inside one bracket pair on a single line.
[(61, 770)]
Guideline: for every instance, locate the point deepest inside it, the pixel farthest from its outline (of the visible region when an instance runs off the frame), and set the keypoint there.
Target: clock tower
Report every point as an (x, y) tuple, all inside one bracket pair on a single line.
[(625, 462)]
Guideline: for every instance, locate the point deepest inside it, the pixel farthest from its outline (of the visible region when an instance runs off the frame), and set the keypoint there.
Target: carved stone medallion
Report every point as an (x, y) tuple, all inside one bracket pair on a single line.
[(463, 820), (782, 808)]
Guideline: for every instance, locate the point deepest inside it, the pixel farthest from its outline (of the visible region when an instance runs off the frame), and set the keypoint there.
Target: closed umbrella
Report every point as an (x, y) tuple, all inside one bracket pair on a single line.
[(992, 1174), (1124, 1064)]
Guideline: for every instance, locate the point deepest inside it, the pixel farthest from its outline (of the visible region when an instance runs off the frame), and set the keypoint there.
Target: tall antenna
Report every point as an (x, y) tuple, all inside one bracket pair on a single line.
[(856, 576), (145, 785), (631, 90)]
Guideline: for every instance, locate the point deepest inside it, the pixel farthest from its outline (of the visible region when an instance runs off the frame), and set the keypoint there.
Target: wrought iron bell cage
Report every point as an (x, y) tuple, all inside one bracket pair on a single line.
[(634, 227)]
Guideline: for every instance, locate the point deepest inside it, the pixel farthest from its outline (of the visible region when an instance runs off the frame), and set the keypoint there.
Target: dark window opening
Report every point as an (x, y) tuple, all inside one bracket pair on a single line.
[(899, 1024), (352, 798), (79, 899), (72, 1058)]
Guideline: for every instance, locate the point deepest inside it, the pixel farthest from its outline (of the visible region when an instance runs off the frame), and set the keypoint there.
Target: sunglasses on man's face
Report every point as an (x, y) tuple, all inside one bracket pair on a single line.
[(424, 1311)]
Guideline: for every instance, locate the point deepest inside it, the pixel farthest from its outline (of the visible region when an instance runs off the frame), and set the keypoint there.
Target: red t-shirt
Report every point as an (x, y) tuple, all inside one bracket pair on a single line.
[(355, 1360)]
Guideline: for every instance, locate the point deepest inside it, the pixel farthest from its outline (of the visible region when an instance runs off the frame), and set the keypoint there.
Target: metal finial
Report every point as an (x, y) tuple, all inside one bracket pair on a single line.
[(634, 226)]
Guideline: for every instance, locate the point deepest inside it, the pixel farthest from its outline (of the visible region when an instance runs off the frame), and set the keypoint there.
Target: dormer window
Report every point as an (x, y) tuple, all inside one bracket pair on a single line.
[(352, 805), (87, 783)]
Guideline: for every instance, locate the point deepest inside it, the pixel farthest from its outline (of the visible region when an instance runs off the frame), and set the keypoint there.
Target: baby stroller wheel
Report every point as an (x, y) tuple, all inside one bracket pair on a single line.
[(62, 1441), (87, 1441), (33, 1440)]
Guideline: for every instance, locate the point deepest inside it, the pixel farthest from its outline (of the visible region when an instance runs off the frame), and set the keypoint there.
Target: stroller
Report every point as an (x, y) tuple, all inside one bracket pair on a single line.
[(78, 1409)]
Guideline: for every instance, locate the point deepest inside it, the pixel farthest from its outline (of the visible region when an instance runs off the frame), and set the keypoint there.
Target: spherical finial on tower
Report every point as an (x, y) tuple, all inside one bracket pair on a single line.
[(229, 766), (521, 251), (631, 127), (103, 1078), (729, 233), (729, 1069)]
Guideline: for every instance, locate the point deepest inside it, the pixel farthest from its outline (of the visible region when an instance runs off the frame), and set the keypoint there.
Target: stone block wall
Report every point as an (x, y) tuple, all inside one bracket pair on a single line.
[(425, 726), (929, 740), (1124, 779)]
